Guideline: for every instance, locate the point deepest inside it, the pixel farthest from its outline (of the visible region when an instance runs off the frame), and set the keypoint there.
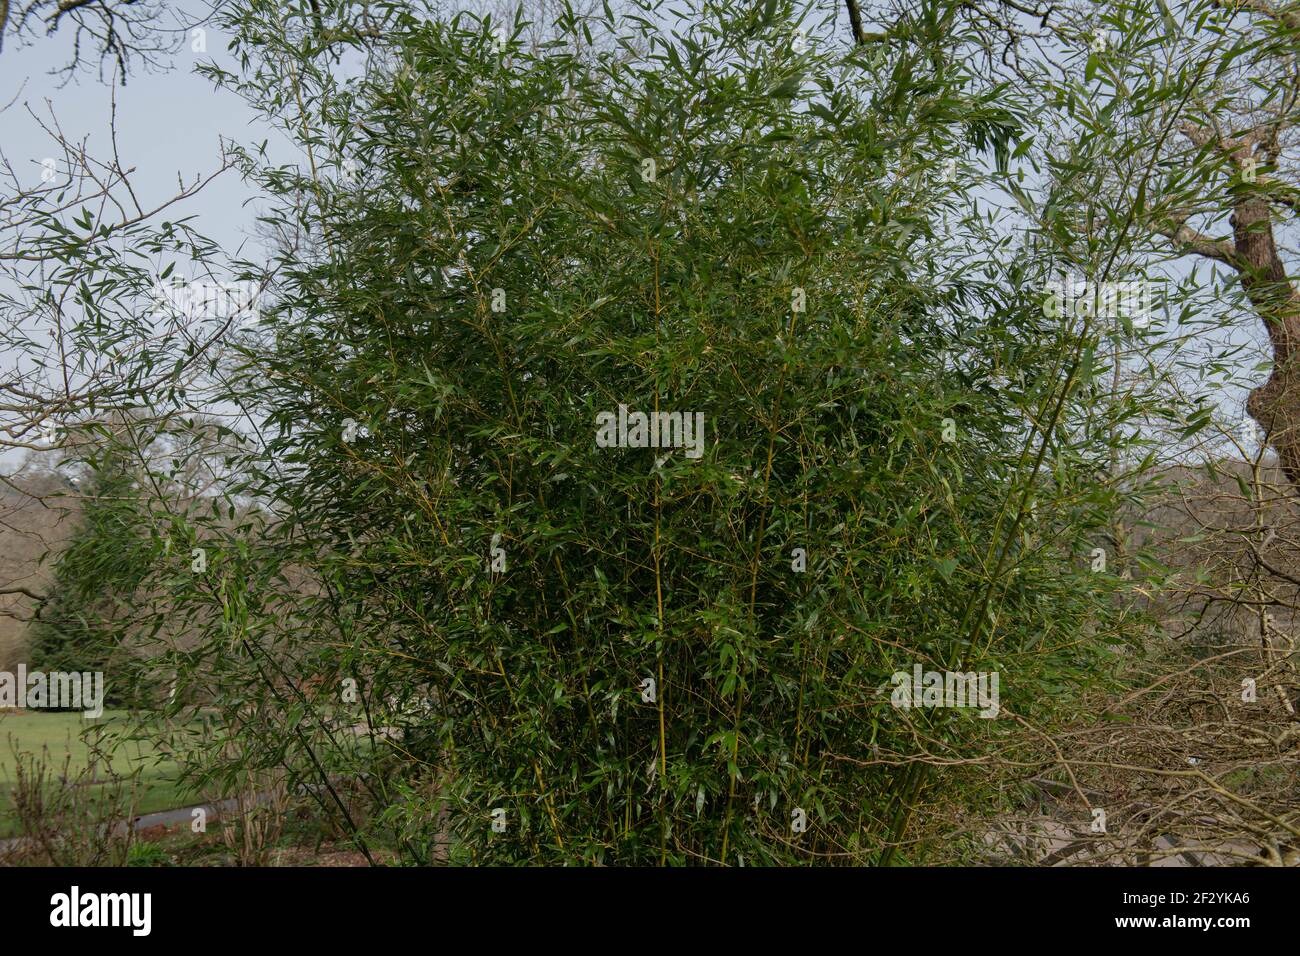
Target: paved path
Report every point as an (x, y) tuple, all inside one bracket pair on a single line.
[(161, 818)]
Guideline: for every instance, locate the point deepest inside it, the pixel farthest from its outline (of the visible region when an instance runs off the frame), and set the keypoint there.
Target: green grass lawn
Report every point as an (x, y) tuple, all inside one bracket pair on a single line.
[(62, 734)]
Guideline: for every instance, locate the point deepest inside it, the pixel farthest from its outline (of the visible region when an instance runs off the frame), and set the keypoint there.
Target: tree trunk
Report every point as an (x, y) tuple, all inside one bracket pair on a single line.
[(1275, 405)]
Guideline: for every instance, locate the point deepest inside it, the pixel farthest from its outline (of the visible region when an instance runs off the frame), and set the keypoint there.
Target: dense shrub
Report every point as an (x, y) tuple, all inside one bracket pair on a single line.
[(639, 654)]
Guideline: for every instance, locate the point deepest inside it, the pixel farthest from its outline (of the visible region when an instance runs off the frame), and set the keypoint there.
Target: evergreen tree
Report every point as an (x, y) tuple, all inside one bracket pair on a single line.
[(81, 621)]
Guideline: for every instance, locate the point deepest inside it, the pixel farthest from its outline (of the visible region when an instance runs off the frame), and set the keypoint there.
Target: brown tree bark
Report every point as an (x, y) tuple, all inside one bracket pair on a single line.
[(1275, 405), (1252, 252)]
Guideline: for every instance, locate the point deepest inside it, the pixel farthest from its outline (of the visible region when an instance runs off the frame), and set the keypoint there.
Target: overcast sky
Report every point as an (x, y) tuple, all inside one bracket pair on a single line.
[(168, 122)]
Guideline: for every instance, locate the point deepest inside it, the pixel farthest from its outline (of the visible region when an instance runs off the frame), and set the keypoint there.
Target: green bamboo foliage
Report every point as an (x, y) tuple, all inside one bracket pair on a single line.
[(639, 655)]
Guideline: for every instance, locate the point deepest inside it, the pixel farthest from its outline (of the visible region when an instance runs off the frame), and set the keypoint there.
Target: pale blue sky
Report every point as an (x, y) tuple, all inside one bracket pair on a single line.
[(168, 122)]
